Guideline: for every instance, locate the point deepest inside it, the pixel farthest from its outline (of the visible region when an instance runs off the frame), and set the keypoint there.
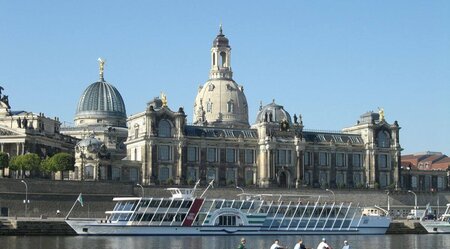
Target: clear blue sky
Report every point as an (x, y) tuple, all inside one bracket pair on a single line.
[(331, 61)]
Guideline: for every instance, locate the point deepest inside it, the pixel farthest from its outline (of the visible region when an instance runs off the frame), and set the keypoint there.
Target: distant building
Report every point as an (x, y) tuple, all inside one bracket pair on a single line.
[(221, 145), (24, 132), (425, 171), (100, 123)]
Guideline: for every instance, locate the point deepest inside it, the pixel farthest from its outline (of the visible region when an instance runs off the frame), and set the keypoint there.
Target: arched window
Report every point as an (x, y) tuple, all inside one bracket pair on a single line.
[(214, 59), (383, 139), (89, 172), (223, 59), (230, 106), (164, 128)]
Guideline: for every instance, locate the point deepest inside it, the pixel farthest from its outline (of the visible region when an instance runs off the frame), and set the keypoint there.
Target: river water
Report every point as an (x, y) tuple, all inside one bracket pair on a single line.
[(219, 242)]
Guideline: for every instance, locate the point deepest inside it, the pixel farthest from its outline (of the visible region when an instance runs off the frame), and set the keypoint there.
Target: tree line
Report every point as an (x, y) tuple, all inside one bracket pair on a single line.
[(31, 162)]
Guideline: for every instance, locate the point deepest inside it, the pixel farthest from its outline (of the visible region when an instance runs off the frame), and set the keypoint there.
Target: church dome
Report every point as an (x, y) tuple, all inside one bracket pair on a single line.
[(273, 113), (102, 103), (221, 101)]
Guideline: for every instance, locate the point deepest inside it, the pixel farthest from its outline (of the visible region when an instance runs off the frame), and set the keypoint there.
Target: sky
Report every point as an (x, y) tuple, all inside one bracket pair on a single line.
[(329, 61)]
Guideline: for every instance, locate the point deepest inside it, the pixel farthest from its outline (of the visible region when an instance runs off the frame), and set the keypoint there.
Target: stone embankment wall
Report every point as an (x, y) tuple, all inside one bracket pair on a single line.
[(46, 197)]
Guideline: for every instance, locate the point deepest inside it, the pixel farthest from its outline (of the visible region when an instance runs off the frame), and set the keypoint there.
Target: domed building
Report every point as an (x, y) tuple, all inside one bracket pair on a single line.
[(221, 102), (101, 104), (220, 145), (100, 116)]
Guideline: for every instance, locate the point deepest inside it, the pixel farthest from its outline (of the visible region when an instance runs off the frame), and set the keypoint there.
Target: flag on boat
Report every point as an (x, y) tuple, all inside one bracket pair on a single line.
[(80, 199)]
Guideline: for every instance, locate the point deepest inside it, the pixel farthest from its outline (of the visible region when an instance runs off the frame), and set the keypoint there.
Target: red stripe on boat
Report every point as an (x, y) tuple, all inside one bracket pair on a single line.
[(193, 211)]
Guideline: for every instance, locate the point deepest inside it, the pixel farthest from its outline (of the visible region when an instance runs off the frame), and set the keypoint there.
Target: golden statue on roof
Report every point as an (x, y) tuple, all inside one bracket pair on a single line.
[(102, 66), (164, 99), (381, 113)]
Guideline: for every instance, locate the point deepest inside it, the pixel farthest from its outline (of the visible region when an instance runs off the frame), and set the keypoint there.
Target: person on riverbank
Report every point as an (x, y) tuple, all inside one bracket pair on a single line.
[(324, 245), (242, 244), (300, 245), (276, 245), (346, 245)]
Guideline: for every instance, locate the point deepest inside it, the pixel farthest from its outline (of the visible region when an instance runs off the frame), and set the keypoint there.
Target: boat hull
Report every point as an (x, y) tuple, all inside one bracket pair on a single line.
[(95, 228), (436, 226)]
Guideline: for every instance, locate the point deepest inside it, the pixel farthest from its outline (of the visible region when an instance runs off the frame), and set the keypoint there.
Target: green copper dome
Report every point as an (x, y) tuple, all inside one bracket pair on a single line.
[(101, 100)]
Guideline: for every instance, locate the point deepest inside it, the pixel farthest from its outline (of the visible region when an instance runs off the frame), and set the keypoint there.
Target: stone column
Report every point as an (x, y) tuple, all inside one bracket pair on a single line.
[(2, 147), (179, 176), (17, 149), (263, 167), (150, 164)]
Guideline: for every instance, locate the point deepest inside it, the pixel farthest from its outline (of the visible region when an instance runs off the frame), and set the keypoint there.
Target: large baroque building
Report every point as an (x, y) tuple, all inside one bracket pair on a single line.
[(24, 132), (276, 150)]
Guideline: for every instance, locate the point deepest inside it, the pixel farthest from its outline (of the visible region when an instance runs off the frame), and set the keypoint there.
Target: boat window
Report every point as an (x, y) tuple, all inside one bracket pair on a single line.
[(227, 204), (154, 203), (237, 204), (164, 204), (219, 204), (175, 204), (186, 204), (158, 217), (227, 220), (246, 205)]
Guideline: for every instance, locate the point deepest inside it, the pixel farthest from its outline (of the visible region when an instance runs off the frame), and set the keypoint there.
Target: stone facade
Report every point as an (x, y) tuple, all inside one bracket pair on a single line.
[(24, 132), (274, 151), (100, 123)]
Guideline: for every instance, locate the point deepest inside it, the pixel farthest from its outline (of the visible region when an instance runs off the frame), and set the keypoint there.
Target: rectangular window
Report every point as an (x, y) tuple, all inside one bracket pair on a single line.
[(281, 157), (230, 155), (192, 174), (115, 175), (192, 154), (249, 156), (357, 160), (249, 177), (211, 155), (307, 158), (164, 153), (340, 159), (230, 176), (284, 157), (323, 158), (382, 161)]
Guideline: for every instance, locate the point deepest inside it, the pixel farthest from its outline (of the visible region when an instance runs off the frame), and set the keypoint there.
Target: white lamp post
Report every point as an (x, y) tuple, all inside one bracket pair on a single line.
[(142, 188), (26, 201), (415, 198), (334, 196), (240, 189)]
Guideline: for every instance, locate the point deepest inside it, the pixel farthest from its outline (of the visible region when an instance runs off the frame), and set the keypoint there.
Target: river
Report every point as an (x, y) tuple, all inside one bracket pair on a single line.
[(219, 242)]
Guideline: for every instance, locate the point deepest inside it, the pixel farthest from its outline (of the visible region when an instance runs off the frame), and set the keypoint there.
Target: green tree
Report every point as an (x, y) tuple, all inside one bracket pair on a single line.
[(27, 162), (59, 162), (4, 162)]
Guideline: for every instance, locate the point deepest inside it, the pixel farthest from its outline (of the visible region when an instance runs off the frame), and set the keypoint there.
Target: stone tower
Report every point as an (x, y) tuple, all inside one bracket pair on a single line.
[(221, 102)]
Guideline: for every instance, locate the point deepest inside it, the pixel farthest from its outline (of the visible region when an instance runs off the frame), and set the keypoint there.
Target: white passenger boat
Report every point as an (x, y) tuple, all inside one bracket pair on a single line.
[(185, 214), (441, 225)]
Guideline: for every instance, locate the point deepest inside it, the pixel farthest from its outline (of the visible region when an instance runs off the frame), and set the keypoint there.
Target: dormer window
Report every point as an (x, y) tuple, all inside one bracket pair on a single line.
[(164, 128), (383, 139)]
